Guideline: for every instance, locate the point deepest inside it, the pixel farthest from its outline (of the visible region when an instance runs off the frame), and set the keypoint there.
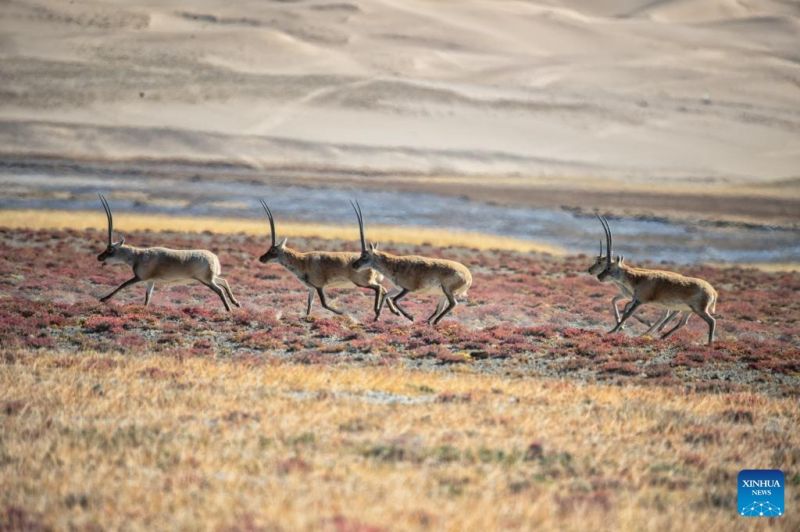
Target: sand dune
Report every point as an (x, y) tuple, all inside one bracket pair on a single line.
[(693, 11), (651, 90)]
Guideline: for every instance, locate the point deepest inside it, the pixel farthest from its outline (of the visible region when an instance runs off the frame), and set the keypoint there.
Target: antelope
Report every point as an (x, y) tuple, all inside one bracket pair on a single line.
[(670, 290), (154, 264), (597, 267), (413, 273), (323, 269)]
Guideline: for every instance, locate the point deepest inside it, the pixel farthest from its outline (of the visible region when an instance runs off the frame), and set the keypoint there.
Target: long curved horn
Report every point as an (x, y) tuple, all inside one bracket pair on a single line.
[(360, 216), (271, 220), (609, 239), (109, 217)]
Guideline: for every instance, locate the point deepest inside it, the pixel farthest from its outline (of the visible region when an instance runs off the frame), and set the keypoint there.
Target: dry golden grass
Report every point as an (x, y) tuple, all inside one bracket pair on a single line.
[(764, 266), (155, 442), (158, 443), (38, 219)]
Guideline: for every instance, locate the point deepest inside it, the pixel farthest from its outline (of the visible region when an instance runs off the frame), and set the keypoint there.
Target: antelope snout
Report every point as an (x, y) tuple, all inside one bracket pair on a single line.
[(263, 258)]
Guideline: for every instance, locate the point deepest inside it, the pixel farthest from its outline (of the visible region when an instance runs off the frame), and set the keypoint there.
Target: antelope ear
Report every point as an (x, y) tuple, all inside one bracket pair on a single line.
[(373, 246), (283, 243), (620, 258), (121, 241)]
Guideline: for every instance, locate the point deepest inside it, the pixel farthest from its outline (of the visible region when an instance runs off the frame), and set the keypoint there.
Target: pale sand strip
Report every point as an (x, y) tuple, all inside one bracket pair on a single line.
[(32, 219)]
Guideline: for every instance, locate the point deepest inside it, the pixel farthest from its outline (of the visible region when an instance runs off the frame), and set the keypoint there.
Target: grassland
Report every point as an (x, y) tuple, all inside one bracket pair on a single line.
[(518, 412), (154, 442)]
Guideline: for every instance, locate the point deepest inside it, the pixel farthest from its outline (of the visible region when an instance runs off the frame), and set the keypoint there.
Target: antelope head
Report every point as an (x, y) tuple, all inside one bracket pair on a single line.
[(110, 255), (609, 270), (275, 251), (599, 263), (367, 258)]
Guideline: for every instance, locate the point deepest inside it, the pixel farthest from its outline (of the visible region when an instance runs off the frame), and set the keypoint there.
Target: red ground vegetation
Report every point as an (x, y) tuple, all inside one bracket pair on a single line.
[(526, 314)]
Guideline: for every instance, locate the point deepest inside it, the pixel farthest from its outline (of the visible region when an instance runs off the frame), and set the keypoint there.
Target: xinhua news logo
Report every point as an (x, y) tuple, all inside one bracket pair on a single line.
[(761, 493)]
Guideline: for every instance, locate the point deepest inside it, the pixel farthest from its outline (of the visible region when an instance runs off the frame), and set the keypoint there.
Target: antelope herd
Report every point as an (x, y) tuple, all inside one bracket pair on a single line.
[(323, 269), (318, 270)]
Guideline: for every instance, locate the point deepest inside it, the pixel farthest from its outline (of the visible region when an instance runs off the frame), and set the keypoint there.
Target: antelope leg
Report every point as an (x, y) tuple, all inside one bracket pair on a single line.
[(227, 289), (217, 290), (659, 323), (402, 293), (452, 304), (324, 301), (310, 302), (628, 313), (439, 307), (148, 293), (126, 284), (680, 324)]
